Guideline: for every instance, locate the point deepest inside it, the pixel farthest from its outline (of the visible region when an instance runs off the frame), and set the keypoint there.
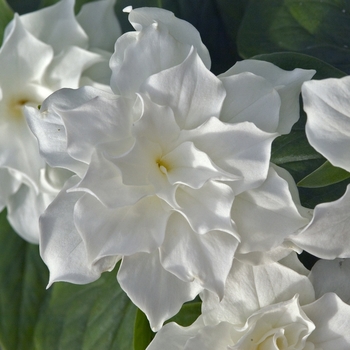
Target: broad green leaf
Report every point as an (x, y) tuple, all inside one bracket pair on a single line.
[(143, 334), (98, 315), (325, 175), (312, 27), (6, 14)]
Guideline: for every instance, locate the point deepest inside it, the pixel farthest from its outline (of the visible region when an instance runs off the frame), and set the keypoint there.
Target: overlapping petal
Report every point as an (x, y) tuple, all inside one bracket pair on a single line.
[(61, 246), (327, 105), (327, 235), (190, 89), (157, 292), (265, 216), (209, 260), (55, 25), (286, 83), (181, 30)]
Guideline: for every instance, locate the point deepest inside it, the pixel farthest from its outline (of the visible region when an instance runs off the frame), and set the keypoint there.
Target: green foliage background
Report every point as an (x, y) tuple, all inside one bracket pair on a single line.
[(289, 33)]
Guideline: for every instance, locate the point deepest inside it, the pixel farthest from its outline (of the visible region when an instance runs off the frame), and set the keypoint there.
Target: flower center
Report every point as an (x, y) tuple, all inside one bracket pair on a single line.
[(163, 166), (15, 106)]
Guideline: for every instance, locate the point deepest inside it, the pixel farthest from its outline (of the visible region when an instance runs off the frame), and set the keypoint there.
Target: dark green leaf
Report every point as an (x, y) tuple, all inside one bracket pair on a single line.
[(98, 315), (143, 334), (325, 175), (313, 27), (6, 14)]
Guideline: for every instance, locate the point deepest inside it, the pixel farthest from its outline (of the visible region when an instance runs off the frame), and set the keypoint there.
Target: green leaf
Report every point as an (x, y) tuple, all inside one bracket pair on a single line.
[(98, 315), (6, 14), (143, 334), (325, 175), (312, 27)]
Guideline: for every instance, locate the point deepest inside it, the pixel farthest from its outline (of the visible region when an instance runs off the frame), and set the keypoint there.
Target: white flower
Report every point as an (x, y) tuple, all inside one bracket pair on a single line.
[(161, 41), (159, 174), (326, 103), (265, 307), (42, 51), (253, 86)]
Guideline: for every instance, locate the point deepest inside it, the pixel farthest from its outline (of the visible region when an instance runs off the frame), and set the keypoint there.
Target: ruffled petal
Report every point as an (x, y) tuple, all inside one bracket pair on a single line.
[(139, 55), (275, 215), (327, 235), (190, 89), (332, 276), (55, 25), (250, 288), (204, 258), (251, 98), (287, 84), (327, 105), (181, 30), (23, 211), (208, 208), (157, 292), (331, 317), (103, 180), (61, 246), (63, 74), (174, 337), (121, 231), (240, 149), (100, 24)]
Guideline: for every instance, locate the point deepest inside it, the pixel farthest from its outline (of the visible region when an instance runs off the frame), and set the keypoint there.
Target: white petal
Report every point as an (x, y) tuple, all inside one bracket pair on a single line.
[(55, 25), (139, 55), (51, 135), (174, 337), (251, 98), (190, 89), (240, 149), (24, 209), (189, 166), (86, 126), (23, 60), (287, 83), (121, 231), (207, 208), (250, 288), (103, 180), (63, 74), (327, 235), (205, 258), (331, 317), (275, 215), (216, 337), (327, 105), (157, 292), (332, 276), (100, 24), (9, 185), (61, 246), (181, 30)]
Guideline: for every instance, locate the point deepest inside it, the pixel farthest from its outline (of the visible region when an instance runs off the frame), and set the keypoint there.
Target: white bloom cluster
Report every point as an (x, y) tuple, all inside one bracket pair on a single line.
[(156, 163), (270, 307), (35, 60)]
